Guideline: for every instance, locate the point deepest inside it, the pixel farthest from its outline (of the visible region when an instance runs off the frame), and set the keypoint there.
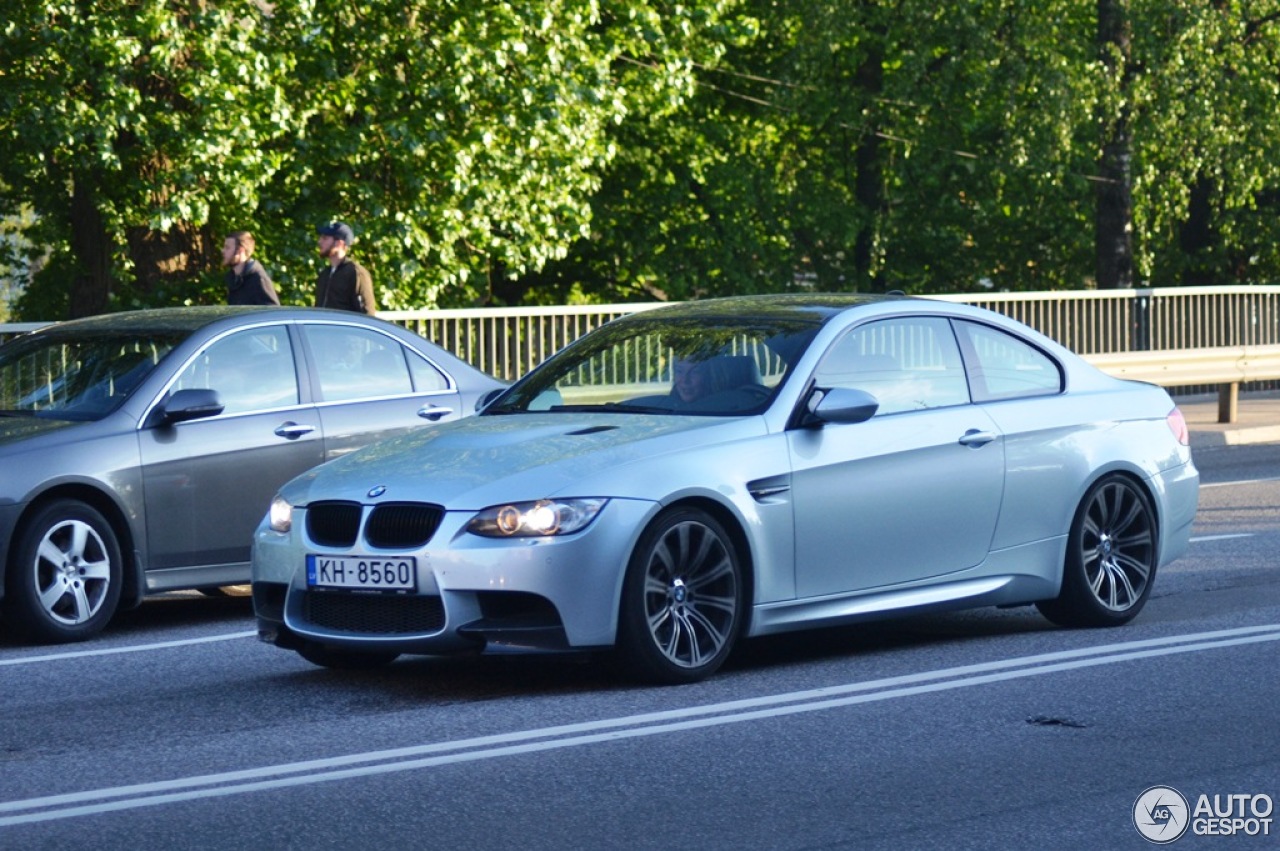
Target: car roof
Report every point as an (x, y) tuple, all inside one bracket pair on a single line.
[(810, 307), (188, 319)]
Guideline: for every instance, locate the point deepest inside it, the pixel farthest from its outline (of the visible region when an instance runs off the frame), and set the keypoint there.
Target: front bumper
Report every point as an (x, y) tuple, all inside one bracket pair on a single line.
[(474, 593)]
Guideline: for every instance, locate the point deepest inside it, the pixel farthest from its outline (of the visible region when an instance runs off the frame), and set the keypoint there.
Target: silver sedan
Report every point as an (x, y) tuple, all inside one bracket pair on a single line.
[(687, 476), (139, 450)]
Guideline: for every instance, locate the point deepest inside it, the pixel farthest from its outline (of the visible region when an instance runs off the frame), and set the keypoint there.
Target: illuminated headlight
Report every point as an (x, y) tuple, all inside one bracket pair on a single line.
[(281, 515), (542, 518)]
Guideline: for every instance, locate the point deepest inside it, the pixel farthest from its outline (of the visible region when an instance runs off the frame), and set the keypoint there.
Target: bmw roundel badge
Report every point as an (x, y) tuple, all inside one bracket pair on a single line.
[(377, 491)]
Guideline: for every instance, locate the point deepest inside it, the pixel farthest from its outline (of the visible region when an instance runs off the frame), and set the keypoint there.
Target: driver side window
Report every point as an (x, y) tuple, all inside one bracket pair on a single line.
[(251, 371), (908, 364)]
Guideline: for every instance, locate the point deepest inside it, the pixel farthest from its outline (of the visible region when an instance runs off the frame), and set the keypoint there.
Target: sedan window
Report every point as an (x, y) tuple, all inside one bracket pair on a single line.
[(426, 378), (907, 364), (357, 363), (251, 371)]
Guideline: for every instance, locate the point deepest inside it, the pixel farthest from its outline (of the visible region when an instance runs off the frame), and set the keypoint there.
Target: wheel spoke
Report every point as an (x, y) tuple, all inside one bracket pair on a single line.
[(1139, 538), (79, 537), (658, 619), (50, 552), (1132, 567), (1121, 579), (1127, 510), (654, 585), (722, 568), (725, 604), (83, 609), (96, 570), (716, 635), (51, 596), (689, 629)]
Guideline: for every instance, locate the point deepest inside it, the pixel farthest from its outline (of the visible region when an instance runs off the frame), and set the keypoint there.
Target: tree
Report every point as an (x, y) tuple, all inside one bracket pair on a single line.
[(461, 141), (127, 127)]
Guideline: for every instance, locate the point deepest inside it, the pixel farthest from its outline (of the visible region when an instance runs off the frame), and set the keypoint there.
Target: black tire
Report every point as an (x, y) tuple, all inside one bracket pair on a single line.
[(64, 584), (1111, 558), (682, 599), (343, 659)]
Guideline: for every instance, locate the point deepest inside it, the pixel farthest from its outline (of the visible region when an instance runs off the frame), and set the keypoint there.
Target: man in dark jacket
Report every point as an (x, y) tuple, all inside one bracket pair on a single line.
[(247, 281), (345, 284)]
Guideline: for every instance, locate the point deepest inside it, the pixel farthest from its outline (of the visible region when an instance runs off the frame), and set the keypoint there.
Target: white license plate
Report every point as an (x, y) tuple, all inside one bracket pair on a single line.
[(362, 573)]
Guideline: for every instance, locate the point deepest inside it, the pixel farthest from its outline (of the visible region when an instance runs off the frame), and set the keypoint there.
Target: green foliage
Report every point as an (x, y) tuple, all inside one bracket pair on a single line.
[(538, 151)]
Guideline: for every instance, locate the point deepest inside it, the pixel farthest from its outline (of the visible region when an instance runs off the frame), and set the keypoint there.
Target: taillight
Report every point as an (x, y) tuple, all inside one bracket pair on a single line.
[(1178, 425)]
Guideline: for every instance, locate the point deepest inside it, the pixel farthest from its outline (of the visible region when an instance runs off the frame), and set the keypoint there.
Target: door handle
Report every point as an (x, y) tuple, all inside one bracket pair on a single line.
[(434, 412), (976, 438), (293, 430)]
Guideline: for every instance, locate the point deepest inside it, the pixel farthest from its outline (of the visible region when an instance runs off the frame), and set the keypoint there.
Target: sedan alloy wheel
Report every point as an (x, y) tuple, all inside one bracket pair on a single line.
[(66, 581)]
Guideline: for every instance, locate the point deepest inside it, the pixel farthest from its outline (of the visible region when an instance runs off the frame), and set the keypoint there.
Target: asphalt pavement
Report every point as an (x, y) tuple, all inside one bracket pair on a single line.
[(1258, 420)]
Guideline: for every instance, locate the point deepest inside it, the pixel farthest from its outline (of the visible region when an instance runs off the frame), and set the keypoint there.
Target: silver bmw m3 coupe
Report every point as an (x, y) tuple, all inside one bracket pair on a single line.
[(684, 477)]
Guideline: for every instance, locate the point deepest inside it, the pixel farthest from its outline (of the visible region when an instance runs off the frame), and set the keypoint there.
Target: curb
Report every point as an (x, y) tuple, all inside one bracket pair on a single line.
[(1236, 436)]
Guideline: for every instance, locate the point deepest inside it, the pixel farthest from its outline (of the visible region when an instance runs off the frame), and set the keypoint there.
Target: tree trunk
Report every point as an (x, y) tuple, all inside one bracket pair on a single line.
[(169, 260), (1113, 223), (868, 184), (89, 243), (1196, 237)]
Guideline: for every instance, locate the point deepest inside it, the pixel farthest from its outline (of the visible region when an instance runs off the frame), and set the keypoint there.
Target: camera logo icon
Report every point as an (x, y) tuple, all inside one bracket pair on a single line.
[(1161, 814)]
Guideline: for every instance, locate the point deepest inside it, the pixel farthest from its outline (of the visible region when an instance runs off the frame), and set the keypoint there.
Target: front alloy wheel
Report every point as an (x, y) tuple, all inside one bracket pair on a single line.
[(682, 599), (65, 583), (1111, 558)]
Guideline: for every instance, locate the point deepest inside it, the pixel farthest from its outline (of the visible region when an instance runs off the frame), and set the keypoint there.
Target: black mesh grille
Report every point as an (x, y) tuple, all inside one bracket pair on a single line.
[(402, 525), (333, 524), (375, 614)]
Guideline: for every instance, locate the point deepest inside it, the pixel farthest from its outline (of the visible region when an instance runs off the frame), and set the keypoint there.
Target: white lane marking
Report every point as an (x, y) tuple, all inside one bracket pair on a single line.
[(133, 648), (1221, 537), (57, 807), (1239, 482)]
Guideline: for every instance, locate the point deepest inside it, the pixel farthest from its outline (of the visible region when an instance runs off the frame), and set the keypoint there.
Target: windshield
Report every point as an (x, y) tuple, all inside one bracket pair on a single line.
[(710, 366), (76, 377)]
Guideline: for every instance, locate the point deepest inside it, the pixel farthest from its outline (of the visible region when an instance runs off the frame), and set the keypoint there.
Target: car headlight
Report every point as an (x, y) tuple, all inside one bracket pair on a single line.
[(281, 515), (538, 519)]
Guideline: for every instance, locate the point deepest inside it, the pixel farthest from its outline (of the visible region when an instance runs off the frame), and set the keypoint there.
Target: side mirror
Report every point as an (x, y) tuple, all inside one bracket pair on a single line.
[(840, 405), (483, 401), (192, 404)]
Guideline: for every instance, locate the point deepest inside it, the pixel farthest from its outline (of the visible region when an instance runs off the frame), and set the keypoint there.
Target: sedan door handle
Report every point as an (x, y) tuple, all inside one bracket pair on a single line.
[(976, 438), (293, 430), (434, 412)]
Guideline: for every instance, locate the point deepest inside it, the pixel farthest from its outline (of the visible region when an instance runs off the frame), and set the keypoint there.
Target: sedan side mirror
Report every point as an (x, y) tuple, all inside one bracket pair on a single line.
[(483, 401), (840, 405), (192, 404)]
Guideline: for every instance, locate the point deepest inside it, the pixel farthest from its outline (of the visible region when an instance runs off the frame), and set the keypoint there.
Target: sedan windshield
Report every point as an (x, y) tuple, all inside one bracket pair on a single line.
[(708, 365), (76, 377)]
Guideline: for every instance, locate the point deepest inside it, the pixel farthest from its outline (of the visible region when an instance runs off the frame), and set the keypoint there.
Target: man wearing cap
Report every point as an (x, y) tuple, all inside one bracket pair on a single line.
[(345, 285)]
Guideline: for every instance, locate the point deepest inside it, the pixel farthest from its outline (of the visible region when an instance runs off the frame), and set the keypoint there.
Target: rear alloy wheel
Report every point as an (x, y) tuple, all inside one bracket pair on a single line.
[(1111, 558), (65, 583), (682, 599), (344, 659)]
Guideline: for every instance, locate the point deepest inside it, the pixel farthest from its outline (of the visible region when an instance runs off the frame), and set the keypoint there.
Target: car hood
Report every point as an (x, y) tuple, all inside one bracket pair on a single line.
[(473, 463), (14, 430)]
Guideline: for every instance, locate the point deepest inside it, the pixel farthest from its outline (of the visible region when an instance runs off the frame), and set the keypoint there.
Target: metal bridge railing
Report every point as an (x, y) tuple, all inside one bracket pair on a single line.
[(508, 342)]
